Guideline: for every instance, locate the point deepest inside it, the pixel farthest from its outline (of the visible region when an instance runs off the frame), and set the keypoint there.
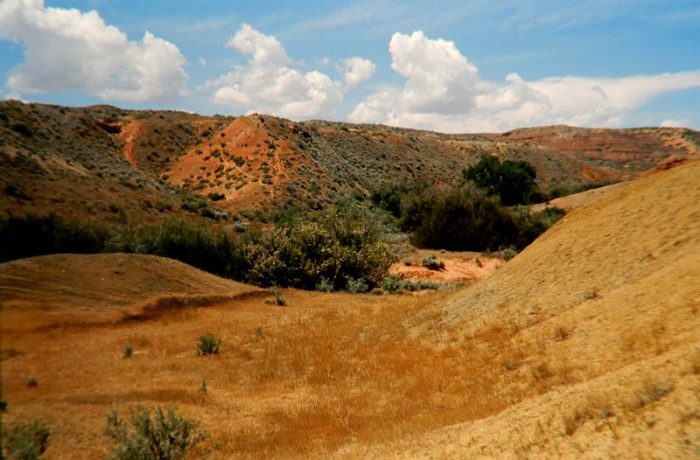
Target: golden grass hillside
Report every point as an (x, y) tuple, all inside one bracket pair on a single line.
[(603, 320), (586, 344)]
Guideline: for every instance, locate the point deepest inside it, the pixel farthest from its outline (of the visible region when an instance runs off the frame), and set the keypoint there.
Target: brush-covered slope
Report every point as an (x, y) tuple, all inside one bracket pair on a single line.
[(73, 162), (603, 312), (114, 164)]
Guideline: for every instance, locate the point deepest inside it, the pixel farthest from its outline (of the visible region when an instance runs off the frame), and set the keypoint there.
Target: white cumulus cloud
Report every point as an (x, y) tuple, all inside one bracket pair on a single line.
[(268, 83), (676, 123), (443, 92), (66, 49), (355, 70)]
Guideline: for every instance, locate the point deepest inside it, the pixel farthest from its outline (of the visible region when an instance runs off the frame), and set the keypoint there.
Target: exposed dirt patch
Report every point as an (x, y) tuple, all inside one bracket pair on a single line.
[(457, 267)]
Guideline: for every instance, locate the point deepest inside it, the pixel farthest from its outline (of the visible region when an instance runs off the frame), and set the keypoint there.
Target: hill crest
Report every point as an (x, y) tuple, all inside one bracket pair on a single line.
[(117, 164)]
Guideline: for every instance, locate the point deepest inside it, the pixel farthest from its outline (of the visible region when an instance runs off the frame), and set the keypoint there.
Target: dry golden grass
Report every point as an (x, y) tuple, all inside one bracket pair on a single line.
[(308, 378), (587, 344)]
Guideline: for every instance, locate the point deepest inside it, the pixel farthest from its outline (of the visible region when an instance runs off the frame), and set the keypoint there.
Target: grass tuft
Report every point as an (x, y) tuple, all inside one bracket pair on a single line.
[(208, 345)]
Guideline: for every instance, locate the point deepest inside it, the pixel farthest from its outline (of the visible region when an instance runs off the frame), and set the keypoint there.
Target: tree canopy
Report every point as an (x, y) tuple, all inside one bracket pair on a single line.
[(513, 181)]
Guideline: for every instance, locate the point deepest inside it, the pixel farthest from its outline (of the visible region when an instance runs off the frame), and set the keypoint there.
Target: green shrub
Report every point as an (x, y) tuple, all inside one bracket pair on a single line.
[(324, 285), (128, 351), (356, 285), (277, 298), (421, 285), (213, 196), (197, 205), (391, 283), (396, 284), (194, 243), (432, 263), (513, 181), (22, 129), (334, 246), (152, 436), (508, 253), (208, 345), (462, 219), (396, 197), (27, 441)]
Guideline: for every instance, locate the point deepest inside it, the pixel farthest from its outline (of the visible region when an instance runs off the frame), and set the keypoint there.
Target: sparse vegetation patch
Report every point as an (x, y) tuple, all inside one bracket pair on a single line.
[(26, 441), (157, 435), (208, 345)]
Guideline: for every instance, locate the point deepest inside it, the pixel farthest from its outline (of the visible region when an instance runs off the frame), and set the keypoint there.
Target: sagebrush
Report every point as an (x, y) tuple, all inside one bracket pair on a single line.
[(156, 435), (26, 441)]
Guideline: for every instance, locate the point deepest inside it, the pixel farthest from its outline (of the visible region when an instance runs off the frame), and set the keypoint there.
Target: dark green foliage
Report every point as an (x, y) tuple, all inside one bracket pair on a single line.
[(432, 263), (468, 219), (208, 345), (156, 436), (21, 128), (128, 351), (394, 283), (462, 219), (531, 225), (15, 191), (194, 243), (396, 197), (334, 246), (356, 285), (31, 235), (512, 181), (391, 283), (213, 196), (26, 442)]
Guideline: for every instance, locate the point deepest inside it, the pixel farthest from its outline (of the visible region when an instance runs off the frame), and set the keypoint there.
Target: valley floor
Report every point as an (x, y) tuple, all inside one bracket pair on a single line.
[(586, 344)]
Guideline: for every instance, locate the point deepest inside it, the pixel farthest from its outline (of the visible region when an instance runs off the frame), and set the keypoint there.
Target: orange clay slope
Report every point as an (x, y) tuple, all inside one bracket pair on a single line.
[(603, 314)]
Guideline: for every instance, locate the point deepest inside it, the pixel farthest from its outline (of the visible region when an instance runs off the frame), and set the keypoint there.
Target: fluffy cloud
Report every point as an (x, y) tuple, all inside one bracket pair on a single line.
[(676, 123), (269, 84), (444, 92), (355, 70), (66, 49), (264, 49)]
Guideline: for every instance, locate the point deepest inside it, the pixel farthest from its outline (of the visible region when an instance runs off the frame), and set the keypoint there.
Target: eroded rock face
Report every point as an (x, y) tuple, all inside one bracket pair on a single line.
[(105, 161), (639, 146)]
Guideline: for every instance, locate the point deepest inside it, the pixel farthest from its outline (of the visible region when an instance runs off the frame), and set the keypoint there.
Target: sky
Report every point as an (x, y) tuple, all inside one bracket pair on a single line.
[(443, 65)]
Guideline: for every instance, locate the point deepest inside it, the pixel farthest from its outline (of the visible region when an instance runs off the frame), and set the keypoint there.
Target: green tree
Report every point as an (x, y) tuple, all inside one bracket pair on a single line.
[(513, 181)]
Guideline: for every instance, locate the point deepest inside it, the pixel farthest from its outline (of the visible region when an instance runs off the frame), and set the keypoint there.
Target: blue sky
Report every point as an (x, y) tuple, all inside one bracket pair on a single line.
[(455, 66)]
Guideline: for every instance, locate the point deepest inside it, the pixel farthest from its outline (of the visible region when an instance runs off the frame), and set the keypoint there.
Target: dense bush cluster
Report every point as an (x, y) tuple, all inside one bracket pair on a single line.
[(462, 218), (192, 242), (336, 249), (514, 182), (33, 235)]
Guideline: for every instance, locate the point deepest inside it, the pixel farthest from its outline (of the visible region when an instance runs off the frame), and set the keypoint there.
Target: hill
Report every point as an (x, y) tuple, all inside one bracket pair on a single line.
[(602, 317), (110, 164), (584, 345), (75, 289)]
